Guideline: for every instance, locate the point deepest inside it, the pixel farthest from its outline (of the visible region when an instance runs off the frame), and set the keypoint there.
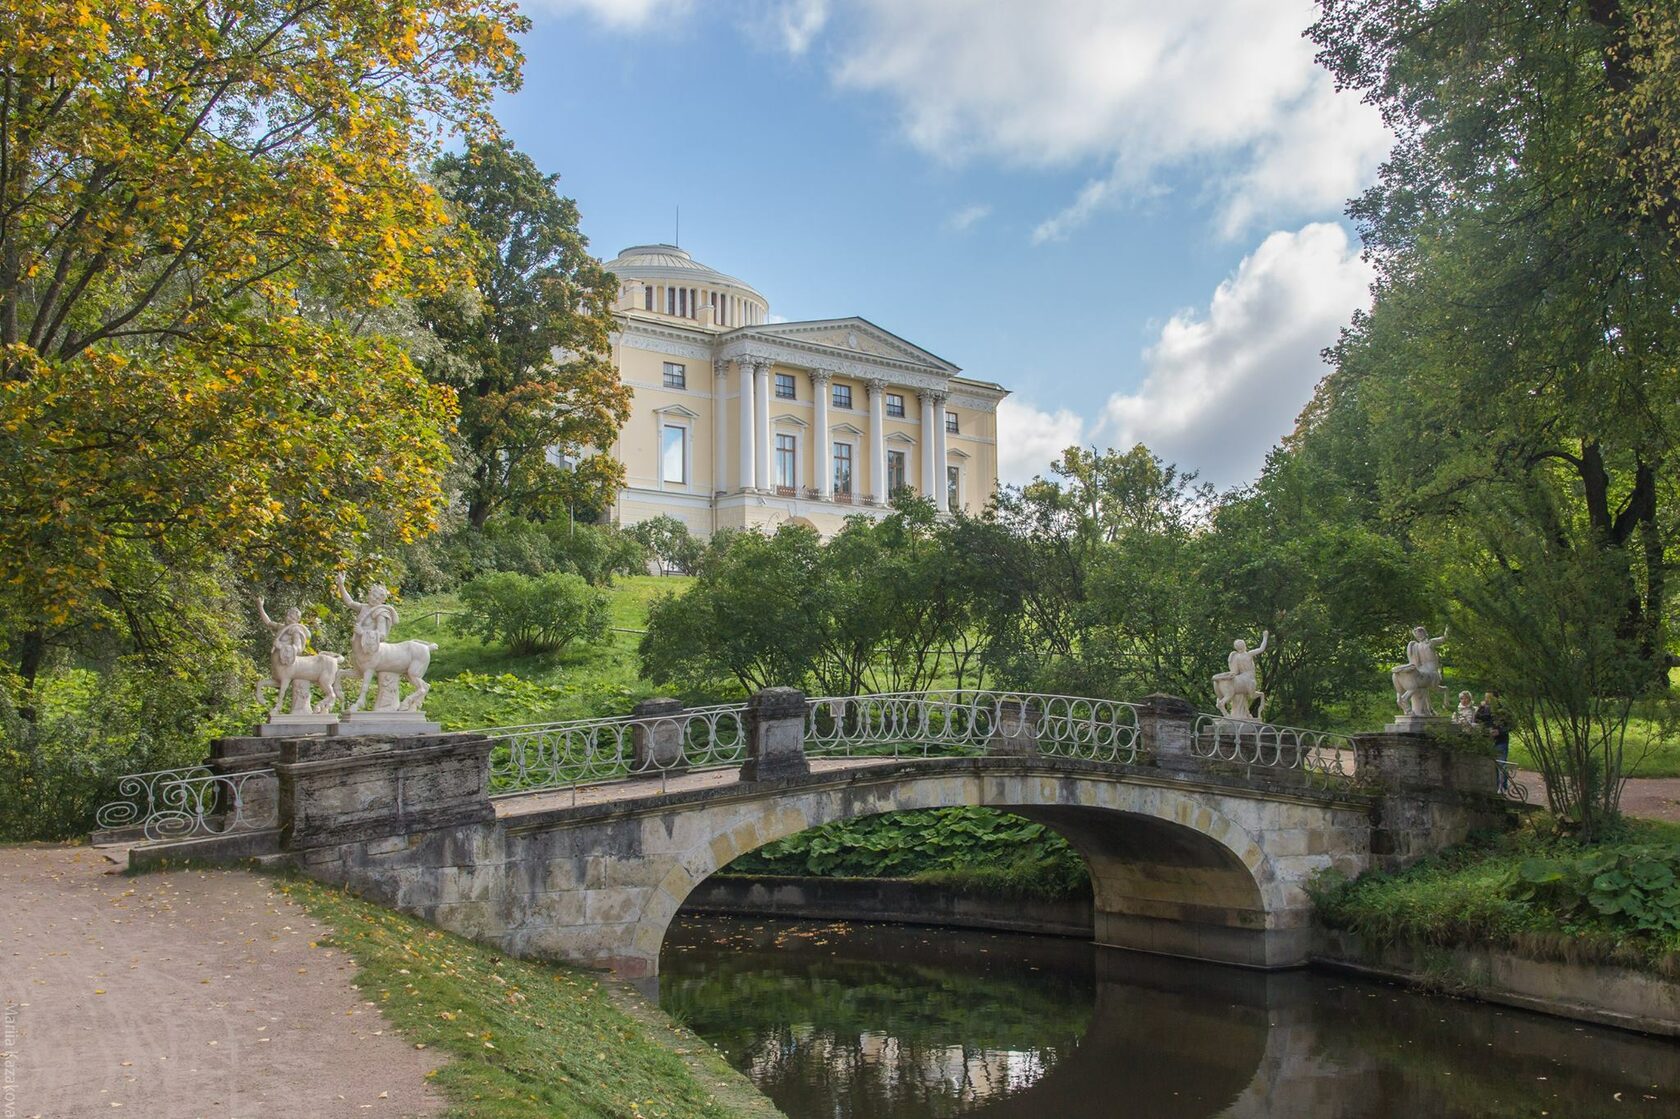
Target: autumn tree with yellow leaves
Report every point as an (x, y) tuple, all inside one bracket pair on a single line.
[(202, 203)]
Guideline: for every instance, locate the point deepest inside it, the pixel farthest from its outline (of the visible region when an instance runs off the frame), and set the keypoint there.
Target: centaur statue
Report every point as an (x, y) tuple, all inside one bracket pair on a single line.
[(293, 670), (370, 653)]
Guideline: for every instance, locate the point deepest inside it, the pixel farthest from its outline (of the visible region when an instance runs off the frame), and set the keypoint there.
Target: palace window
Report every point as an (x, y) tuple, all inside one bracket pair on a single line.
[(843, 396), (673, 453), (951, 422), (896, 462), (953, 487), (787, 448), (676, 375), (647, 297), (843, 469), (786, 387), (895, 405)]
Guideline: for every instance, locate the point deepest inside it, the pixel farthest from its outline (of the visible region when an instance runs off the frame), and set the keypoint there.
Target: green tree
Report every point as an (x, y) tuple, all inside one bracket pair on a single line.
[(180, 185), (1527, 239), (527, 346)]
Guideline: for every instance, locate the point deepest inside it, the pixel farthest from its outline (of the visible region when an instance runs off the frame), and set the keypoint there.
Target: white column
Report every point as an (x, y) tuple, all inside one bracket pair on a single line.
[(822, 455), (761, 410), (720, 420), (928, 448), (744, 384), (942, 492), (877, 439)]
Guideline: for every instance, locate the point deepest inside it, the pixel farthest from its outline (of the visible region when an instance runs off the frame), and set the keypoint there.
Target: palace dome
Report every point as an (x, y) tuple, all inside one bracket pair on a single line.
[(647, 273)]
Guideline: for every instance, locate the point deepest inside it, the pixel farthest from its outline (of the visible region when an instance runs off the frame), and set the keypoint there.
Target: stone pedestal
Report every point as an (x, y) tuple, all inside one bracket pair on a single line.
[(1418, 724), (658, 742), (1165, 731), (290, 726), (396, 723), (343, 789), (258, 795), (1427, 761), (1015, 734), (775, 736)]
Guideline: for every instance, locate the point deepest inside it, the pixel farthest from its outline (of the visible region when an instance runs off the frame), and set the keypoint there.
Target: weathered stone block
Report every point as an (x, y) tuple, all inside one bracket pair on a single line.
[(658, 738), (1165, 723), (775, 736), (1015, 733), (338, 790)]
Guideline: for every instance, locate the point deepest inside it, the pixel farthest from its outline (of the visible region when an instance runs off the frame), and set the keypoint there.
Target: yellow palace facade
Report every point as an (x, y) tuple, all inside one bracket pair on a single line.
[(741, 422)]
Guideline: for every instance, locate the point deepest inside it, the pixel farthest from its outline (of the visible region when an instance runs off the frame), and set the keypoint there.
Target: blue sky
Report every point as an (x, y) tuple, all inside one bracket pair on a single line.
[(1126, 212)]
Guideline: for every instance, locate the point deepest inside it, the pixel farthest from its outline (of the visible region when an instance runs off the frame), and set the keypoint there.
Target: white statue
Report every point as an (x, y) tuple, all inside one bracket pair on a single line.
[(1417, 681), (1233, 691), (370, 653), (291, 669)]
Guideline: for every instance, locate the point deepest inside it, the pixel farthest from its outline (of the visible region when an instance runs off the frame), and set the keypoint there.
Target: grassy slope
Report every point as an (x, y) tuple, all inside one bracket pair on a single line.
[(477, 685), (1460, 897), (528, 1040)]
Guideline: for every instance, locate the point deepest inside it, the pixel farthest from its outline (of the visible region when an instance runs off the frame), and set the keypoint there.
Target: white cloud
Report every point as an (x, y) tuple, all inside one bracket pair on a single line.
[(800, 21), (969, 216), (1225, 384), (623, 15), (1029, 438), (1227, 88)]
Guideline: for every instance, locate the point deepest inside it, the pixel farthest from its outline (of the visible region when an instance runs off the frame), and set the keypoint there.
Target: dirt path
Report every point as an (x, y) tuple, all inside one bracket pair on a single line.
[(191, 993), (1651, 798)]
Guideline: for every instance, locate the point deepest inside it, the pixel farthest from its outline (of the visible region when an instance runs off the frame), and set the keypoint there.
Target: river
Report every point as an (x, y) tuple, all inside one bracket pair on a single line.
[(863, 1021)]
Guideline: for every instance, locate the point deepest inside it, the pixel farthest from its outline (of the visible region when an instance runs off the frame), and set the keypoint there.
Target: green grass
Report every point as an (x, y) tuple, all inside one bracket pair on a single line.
[(527, 1040), (479, 685), (1463, 897)]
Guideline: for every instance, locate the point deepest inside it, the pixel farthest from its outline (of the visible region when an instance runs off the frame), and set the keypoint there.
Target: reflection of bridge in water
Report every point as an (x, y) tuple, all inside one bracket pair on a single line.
[(581, 840), (920, 1021)]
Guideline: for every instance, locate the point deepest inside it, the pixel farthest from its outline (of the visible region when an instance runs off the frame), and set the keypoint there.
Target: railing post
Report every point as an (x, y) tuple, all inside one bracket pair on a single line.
[(776, 735), (1166, 731), (1015, 729), (658, 743)]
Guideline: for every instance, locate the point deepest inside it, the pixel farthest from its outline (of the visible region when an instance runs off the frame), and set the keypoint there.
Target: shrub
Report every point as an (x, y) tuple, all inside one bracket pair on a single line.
[(1631, 886), (533, 615)]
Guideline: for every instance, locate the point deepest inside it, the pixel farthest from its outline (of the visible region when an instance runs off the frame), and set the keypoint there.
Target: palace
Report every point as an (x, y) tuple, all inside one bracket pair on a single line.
[(741, 422)]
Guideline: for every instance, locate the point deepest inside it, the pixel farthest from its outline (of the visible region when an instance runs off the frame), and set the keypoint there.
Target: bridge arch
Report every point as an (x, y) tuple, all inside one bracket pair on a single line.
[(1175, 868)]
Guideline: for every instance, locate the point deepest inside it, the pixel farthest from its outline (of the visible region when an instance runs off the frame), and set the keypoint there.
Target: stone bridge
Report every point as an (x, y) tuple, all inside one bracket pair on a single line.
[(1200, 835)]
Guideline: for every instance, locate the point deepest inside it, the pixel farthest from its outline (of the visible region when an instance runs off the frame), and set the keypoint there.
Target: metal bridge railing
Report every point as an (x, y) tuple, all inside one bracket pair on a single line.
[(591, 751), (190, 801), (1325, 757), (971, 723)]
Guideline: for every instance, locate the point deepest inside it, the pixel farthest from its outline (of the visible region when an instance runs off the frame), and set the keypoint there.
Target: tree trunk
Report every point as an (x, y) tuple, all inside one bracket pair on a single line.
[(32, 654)]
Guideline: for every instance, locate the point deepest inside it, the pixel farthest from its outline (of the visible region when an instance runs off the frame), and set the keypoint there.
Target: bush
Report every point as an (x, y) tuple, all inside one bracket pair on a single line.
[(91, 729), (965, 848), (533, 615)]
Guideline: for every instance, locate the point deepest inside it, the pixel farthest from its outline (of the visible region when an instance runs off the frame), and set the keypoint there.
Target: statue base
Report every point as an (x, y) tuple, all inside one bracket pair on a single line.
[(293, 725), (1229, 724), (399, 723), (1417, 724)]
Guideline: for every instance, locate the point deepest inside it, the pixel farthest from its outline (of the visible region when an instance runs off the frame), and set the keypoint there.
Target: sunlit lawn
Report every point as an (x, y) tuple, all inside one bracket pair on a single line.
[(479, 685)]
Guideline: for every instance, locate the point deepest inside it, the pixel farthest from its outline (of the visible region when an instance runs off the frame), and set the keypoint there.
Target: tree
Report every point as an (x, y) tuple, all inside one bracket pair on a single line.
[(668, 541), (182, 186), (1526, 232), (527, 347), (1540, 617)]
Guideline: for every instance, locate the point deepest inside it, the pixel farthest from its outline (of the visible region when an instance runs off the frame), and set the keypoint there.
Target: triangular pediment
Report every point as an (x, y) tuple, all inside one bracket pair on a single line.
[(855, 335)]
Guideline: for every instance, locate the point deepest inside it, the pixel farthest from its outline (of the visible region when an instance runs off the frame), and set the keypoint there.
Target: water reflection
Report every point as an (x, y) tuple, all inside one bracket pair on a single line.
[(855, 1021)]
